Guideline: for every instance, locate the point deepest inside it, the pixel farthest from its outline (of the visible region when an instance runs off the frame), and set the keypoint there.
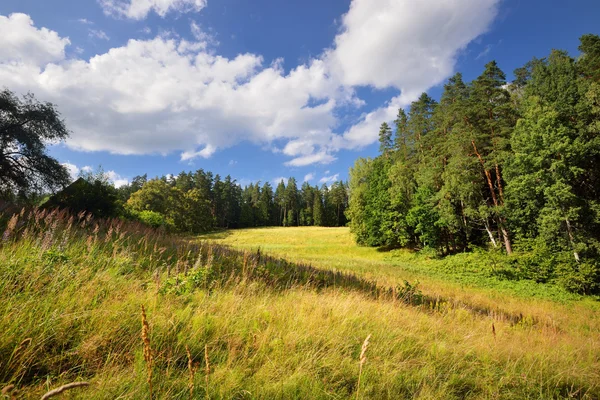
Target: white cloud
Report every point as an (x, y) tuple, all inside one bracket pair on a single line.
[(322, 157), (23, 45), (167, 94), (406, 44), (117, 179), (232, 163), (277, 181), (139, 9), (309, 177), (98, 33), (202, 36), (73, 169), (206, 152), (366, 131), (410, 45), (329, 179), (85, 21), (164, 95)]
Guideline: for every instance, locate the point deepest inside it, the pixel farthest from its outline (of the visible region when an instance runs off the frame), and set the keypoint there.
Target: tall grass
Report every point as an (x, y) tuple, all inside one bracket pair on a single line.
[(71, 290)]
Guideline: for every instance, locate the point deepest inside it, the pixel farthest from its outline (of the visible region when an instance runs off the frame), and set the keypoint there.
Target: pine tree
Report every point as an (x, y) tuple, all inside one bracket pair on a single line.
[(401, 135), (385, 138), (317, 208), (280, 202), (292, 202), (491, 120)]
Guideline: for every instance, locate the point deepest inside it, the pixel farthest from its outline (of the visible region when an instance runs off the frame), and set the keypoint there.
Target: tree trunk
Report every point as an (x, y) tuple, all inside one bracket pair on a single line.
[(488, 176), (506, 238), (499, 182), (490, 234), (571, 239)]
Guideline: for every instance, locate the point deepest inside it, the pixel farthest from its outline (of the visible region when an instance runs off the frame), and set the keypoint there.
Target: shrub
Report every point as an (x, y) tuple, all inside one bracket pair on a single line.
[(153, 219)]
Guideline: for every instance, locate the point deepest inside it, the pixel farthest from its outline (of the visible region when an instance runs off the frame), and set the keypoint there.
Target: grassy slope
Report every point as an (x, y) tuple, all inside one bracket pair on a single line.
[(78, 300), (465, 277)]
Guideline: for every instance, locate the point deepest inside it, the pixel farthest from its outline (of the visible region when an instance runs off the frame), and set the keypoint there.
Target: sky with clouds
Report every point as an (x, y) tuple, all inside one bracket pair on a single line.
[(259, 89)]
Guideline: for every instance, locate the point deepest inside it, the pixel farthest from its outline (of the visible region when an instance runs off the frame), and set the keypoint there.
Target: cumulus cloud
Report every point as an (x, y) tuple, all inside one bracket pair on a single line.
[(309, 177), (329, 179), (139, 9), (73, 169), (164, 95), (168, 94), (23, 45), (366, 131), (410, 45), (117, 179)]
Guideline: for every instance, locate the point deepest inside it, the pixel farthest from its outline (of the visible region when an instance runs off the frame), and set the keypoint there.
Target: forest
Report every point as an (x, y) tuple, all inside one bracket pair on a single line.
[(512, 165), (199, 202)]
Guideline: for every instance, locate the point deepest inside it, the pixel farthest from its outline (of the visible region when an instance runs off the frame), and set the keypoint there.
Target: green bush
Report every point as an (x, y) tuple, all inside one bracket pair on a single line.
[(581, 277), (153, 219)]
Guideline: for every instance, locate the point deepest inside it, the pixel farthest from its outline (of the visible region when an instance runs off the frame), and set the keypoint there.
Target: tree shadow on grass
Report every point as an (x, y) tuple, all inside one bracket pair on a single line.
[(231, 266)]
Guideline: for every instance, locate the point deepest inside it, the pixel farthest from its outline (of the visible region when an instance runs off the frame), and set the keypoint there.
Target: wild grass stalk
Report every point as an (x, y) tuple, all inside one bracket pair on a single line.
[(148, 356), (361, 362), (206, 369), (191, 371)]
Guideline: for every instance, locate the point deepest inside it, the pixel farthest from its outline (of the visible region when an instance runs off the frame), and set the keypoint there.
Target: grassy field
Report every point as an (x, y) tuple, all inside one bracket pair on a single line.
[(468, 278), (231, 324), (334, 248)]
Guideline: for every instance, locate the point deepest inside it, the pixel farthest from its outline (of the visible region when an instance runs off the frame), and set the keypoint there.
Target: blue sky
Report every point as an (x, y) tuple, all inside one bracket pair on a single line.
[(257, 89)]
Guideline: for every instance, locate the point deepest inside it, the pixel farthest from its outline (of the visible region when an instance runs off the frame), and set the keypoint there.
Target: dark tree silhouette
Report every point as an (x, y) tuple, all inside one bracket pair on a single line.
[(27, 126)]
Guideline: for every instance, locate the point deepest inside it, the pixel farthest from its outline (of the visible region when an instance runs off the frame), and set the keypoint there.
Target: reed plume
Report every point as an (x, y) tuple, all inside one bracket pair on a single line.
[(192, 371), (362, 361)]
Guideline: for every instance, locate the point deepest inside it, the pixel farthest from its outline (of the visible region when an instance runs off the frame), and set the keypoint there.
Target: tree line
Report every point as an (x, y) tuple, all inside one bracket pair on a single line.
[(513, 165), (200, 201)]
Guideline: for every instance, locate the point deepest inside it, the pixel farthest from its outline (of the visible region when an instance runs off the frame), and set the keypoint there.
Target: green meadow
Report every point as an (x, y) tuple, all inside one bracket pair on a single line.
[(223, 320)]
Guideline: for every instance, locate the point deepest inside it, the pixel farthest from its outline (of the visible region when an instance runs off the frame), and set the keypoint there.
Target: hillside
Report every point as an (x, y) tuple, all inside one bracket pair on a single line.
[(72, 291)]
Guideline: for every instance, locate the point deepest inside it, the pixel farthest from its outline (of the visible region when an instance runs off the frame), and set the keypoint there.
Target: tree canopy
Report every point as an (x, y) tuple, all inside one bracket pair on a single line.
[(498, 164), (27, 126)]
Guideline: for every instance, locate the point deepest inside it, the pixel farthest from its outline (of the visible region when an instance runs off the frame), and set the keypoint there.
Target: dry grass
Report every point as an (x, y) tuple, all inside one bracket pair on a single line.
[(276, 330), (334, 248)]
